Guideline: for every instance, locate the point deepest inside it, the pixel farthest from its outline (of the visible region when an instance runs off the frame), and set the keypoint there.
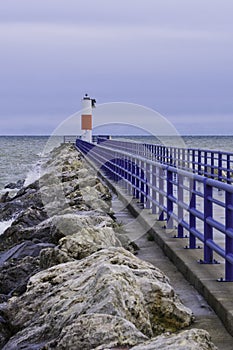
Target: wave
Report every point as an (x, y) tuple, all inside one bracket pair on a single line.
[(32, 175)]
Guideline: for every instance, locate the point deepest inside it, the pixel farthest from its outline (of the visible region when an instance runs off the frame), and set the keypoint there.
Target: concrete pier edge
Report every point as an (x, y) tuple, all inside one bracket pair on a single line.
[(219, 295)]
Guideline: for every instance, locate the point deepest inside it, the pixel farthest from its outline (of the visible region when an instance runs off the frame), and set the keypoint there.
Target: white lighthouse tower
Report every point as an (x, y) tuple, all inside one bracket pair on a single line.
[(86, 118)]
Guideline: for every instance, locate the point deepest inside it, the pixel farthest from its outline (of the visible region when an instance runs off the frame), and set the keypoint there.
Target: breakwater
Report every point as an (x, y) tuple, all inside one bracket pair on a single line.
[(69, 276)]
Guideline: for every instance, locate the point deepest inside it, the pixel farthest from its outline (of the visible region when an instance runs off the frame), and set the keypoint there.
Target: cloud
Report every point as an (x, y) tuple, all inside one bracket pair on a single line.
[(203, 124), (174, 56)]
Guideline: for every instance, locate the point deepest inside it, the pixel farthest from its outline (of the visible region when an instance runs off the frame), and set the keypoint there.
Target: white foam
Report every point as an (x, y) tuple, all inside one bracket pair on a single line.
[(32, 175), (4, 225), (11, 191)]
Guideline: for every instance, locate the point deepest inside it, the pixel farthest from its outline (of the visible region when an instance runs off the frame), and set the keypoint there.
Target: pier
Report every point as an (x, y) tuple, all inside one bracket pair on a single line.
[(184, 199)]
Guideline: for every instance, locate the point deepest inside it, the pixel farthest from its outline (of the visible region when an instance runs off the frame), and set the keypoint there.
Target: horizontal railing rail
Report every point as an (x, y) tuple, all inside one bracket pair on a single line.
[(200, 207), (214, 164)]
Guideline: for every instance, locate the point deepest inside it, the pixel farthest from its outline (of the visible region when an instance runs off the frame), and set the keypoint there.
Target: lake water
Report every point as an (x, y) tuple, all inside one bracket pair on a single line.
[(20, 155)]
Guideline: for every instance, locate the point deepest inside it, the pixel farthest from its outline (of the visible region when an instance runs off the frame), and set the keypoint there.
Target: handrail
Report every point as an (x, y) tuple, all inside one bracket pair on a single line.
[(174, 195), (214, 164)]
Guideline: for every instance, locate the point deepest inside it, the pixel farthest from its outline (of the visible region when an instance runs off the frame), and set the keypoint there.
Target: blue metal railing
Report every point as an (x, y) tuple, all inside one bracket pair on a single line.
[(190, 200), (214, 164)]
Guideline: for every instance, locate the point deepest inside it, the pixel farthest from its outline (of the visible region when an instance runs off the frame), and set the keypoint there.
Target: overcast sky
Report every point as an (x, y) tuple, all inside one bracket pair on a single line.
[(174, 56)]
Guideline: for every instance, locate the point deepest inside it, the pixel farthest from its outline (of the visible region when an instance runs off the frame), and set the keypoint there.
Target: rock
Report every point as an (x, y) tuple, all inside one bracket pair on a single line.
[(3, 298), (92, 198), (87, 241), (9, 209), (79, 242), (13, 185), (127, 243), (109, 282), (24, 228), (193, 339), (27, 248), (14, 275), (5, 197), (25, 198), (34, 225), (30, 217), (87, 333), (53, 256), (5, 329), (71, 223)]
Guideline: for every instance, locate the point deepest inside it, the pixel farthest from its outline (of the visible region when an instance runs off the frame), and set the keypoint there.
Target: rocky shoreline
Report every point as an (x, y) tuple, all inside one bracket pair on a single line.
[(69, 277)]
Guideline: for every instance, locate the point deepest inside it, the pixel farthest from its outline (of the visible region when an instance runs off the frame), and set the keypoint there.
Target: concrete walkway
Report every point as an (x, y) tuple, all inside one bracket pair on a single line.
[(150, 251)]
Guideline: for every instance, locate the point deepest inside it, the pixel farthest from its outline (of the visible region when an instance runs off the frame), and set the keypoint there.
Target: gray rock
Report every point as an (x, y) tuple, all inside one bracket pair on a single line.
[(87, 241), (109, 282), (14, 275), (84, 242), (87, 333), (5, 329), (71, 223), (24, 228), (53, 256), (5, 197), (25, 198), (193, 339), (13, 185), (22, 250)]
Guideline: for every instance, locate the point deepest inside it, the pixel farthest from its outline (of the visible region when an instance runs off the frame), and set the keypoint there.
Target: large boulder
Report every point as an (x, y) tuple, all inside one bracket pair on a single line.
[(13, 185), (109, 282), (87, 241), (24, 227), (193, 339), (84, 242), (5, 327), (14, 275), (34, 225), (89, 331), (26, 248), (25, 198)]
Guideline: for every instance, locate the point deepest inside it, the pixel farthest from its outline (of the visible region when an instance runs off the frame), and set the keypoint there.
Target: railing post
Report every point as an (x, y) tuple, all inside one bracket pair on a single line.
[(205, 163), (148, 189), (137, 180), (115, 167), (229, 237), (129, 174), (183, 158), (133, 179), (194, 160), (199, 162), (180, 209), (178, 158), (208, 229), (153, 194), (142, 185), (125, 175), (192, 217), (228, 169), (161, 188), (219, 166), (169, 200), (212, 165), (164, 155), (118, 167)]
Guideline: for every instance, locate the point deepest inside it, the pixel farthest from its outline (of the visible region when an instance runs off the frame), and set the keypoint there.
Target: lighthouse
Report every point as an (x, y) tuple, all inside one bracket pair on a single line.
[(86, 118)]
